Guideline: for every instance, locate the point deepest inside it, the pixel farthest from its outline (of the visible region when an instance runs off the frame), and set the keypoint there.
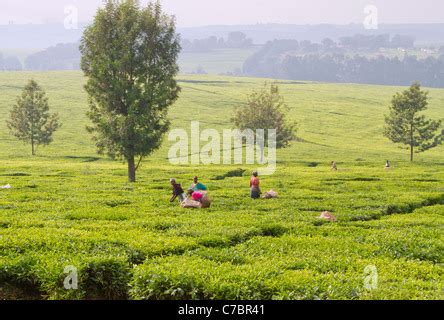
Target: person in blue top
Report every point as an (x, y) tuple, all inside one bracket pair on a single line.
[(197, 186)]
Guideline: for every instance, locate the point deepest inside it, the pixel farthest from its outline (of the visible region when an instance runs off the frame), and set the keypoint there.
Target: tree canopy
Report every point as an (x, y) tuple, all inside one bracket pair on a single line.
[(406, 126), (30, 120), (265, 110)]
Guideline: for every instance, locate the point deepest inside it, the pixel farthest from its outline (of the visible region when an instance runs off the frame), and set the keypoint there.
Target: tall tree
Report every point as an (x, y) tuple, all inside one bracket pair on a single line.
[(406, 126), (129, 55), (30, 119), (265, 110)]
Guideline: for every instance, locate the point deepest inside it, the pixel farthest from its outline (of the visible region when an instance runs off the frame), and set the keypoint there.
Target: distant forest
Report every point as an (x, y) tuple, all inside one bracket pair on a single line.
[(370, 59), (59, 57), (235, 40), (337, 62), (41, 36), (67, 56), (10, 63)]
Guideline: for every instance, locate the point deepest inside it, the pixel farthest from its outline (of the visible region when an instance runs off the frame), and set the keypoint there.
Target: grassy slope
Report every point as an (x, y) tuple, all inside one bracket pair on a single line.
[(68, 207)]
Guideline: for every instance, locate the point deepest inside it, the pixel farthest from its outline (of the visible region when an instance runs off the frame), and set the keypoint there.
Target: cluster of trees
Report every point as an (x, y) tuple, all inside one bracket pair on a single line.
[(374, 42), (10, 63), (234, 40), (67, 56), (359, 69), (345, 45), (278, 59), (59, 57)]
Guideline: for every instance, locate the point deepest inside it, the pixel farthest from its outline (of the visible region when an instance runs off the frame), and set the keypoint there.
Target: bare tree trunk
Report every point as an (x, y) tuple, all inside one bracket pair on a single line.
[(411, 143), (32, 146), (131, 170)]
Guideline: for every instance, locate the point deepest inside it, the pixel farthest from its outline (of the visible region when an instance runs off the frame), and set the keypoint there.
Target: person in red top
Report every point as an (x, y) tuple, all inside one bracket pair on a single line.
[(255, 191)]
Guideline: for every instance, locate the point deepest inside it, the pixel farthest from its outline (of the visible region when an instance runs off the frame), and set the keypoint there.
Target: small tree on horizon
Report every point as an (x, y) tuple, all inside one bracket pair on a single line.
[(129, 55), (30, 120), (265, 110), (405, 126)]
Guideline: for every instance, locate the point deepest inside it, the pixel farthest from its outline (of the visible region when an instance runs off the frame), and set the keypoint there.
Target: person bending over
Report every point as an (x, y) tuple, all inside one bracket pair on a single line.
[(178, 192), (200, 197)]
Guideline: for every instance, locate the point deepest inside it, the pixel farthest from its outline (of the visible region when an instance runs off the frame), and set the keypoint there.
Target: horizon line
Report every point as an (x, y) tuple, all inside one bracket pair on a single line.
[(240, 25)]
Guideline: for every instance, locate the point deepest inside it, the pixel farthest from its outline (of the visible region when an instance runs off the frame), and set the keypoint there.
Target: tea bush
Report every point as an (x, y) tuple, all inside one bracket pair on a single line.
[(69, 208)]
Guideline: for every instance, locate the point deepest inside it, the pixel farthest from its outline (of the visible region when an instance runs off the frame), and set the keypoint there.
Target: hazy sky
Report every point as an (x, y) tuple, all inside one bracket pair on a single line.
[(211, 12)]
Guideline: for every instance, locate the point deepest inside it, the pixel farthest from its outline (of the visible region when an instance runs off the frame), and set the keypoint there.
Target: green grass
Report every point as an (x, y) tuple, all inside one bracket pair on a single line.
[(69, 207)]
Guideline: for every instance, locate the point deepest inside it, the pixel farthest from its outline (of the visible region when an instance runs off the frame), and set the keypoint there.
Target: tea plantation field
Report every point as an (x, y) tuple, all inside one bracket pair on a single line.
[(69, 207)]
